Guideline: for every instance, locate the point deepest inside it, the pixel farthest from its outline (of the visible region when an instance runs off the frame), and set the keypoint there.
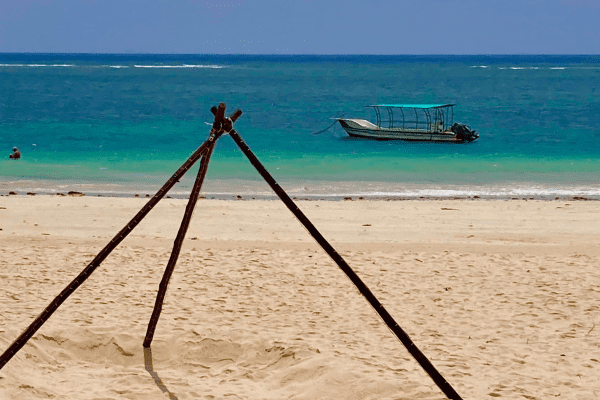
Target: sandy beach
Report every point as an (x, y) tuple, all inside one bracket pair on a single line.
[(501, 296)]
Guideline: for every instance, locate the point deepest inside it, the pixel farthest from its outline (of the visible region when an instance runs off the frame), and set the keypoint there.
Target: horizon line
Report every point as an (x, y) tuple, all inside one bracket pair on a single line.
[(309, 54)]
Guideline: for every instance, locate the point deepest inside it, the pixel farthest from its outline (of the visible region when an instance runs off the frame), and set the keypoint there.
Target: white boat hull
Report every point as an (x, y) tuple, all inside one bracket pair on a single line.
[(365, 129)]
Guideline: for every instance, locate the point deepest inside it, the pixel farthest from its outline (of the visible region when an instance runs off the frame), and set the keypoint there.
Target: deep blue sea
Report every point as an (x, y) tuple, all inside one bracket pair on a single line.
[(122, 124)]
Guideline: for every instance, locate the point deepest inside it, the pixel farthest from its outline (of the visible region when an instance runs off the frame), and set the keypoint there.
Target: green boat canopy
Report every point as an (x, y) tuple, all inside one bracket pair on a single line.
[(422, 106)]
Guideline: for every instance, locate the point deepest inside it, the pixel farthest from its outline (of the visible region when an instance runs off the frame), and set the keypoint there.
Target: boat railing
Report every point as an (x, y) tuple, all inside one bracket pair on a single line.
[(426, 120)]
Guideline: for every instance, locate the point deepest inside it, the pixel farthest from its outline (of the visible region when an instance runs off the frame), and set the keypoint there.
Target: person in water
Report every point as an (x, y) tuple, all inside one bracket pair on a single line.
[(16, 154)]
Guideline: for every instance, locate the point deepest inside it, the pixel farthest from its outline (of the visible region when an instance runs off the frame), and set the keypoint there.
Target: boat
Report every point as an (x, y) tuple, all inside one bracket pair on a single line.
[(431, 123)]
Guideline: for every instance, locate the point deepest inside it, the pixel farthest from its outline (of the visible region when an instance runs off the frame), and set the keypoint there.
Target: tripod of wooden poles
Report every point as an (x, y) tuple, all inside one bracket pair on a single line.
[(221, 126)]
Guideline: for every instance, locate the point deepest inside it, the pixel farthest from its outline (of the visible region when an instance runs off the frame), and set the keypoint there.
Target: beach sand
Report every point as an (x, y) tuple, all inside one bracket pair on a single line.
[(503, 297)]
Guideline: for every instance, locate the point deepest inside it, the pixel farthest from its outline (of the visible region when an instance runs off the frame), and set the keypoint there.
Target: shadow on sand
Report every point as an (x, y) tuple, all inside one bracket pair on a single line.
[(154, 375)]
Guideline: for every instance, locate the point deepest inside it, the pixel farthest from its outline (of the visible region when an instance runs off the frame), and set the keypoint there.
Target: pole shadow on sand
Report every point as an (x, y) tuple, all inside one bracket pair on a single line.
[(221, 125), (154, 375)]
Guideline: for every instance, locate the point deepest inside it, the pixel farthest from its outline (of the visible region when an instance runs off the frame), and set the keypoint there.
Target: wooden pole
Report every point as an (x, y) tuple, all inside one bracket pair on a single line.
[(439, 380), (215, 133), (71, 287), (185, 223)]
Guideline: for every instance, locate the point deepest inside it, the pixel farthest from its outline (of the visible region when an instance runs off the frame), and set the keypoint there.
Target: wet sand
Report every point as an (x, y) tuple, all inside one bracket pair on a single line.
[(501, 296)]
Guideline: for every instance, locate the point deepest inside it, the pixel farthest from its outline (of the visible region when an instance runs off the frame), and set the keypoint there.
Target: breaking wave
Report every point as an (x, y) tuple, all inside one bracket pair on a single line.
[(213, 66), (181, 66)]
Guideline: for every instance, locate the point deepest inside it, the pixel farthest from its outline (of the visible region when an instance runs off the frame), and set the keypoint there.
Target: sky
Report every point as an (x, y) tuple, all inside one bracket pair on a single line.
[(301, 26)]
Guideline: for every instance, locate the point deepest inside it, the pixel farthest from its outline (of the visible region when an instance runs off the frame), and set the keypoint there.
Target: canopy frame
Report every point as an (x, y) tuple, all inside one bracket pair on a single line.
[(434, 117)]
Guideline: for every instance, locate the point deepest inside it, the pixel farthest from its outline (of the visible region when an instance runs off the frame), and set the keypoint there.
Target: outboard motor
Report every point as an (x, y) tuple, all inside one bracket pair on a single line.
[(463, 132)]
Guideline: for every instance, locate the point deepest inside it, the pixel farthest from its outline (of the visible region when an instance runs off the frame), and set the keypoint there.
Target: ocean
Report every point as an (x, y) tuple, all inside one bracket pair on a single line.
[(121, 124)]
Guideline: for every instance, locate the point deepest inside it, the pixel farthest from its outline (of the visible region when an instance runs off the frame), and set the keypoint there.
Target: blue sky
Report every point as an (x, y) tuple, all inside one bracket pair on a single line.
[(302, 26)]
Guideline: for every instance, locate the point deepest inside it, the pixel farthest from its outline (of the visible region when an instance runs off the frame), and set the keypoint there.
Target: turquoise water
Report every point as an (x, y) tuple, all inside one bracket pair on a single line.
[(124, 123)]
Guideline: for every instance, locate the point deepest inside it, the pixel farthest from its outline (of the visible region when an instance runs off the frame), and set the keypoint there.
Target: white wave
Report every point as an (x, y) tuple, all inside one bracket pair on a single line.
[(180, 66), (103, 66), (517, 68), (37, 65), (338, 190), (479, 66), (386, 189), (49, 65), (333, 191), (117, 66)]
